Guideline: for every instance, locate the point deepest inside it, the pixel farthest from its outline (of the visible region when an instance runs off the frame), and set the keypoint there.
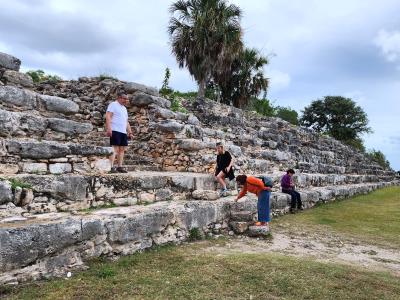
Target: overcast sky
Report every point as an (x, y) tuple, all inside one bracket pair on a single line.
[(316, 48)]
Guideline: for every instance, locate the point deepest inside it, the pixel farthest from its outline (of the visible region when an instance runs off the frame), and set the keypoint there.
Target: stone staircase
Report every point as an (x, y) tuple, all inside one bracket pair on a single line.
[(59, 206)]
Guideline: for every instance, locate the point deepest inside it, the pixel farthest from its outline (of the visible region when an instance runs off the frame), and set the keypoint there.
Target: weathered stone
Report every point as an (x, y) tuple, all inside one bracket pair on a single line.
[(101, 165), (9, 62), (14, 77), (34, 168), (9, 169), (169, 126), (183, 182), (124, 201), (38, 150), (6, 194), (132, 87), (236, 151), (258, 231), (163, 113), (242, 216), (16, 96), (164, 195), (60, 168), (192, 119), (59, 104), (141, 99), (205, 195), (69, 127), (192, 145), (239, 227), (147, 197), (87, 150), (205, 183)]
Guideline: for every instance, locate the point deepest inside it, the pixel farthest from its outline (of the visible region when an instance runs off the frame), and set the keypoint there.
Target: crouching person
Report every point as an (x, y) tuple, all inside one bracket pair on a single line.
[(288, 187), (256, 186)]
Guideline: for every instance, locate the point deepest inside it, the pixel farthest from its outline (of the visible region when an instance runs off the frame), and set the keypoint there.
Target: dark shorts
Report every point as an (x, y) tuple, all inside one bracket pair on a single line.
[(230, 174), (119, 139)]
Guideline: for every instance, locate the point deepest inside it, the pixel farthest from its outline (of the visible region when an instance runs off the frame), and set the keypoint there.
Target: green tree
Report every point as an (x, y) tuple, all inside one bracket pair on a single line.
[(205, 36), (165, 89), (338, 117), (380, 158), (244, 80), (262, 106), (287, 114)]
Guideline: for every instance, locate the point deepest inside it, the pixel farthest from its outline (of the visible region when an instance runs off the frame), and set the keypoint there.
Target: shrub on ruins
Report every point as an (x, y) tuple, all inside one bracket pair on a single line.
[(244, 80), (287, 114), (262, 106), (378, 157), (206, 37), (104, 76), (39, 76), (165, 89), (338, 117)]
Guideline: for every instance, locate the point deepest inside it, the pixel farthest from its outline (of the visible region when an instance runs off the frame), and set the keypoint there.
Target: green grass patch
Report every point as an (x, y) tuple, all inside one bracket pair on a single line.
[(186, 272), (374, 217), (17, 183)]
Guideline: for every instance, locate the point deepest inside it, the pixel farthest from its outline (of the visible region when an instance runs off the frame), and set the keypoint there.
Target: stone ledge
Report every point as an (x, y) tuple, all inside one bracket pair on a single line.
[(9, 62)]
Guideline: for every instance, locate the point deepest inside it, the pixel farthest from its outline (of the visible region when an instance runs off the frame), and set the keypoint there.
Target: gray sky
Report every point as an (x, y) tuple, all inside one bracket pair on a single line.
[(316, 48)]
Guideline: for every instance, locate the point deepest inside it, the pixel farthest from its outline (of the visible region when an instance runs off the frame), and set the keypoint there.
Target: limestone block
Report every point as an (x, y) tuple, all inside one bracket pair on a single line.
[(141, 99), (193, 120), (153, 182), (14, 77), (38, 150), (69, 127), (169, 126), (9, 169), (131, 87), (102, 165), (242, 216), (8, 61), (60, 168), (183, 182), (6, 194), (258, 231), (34, 168), (124, 201), (164, 195), (58, 104), (19, 97), (205, 195), (239, 227), (192, 144), (205, 183), (147, 197)]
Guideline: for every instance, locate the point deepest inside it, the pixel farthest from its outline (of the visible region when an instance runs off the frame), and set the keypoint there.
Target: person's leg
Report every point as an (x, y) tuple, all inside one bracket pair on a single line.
[(298, 198), (263, 207), (113, 156), (121, 152), (221, 179)]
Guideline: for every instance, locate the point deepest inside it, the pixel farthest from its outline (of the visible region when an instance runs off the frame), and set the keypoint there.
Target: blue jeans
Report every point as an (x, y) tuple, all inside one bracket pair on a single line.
[(263, 206)]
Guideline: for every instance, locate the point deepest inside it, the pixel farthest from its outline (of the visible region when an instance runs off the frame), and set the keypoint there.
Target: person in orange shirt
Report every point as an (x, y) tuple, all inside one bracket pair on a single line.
[(256, 186)]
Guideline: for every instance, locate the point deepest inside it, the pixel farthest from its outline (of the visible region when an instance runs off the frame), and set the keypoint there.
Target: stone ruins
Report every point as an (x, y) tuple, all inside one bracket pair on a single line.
[(59, 206)]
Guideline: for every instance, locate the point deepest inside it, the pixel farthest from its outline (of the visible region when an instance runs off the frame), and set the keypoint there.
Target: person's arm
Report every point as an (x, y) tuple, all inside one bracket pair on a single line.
[(242, 193), (129, 130), (109, 116), (230, 163)]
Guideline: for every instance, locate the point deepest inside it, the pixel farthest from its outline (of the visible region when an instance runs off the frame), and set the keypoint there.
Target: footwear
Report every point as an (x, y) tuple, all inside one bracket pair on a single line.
[(114, 170), (260, 224), (222, 192), (292, 211), (121, 170), (300, 208)]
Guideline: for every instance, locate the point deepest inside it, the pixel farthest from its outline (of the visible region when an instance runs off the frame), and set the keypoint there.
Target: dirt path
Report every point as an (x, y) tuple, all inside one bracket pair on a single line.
[(325, 247)]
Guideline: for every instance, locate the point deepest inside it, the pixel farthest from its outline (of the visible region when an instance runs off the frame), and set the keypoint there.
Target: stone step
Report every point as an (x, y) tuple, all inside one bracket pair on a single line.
[(32, 156), (33, 125), (12, 96)]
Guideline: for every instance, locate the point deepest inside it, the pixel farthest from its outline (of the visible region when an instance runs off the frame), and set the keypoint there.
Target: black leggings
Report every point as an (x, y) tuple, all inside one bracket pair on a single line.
[(295, 198)]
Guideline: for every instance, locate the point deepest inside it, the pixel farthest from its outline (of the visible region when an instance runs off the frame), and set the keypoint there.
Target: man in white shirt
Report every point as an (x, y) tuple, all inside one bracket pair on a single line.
[(119, 130)]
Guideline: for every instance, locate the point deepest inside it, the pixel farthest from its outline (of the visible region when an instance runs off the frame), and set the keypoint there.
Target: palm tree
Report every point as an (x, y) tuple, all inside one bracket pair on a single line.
[(205, 37), (245, 79)]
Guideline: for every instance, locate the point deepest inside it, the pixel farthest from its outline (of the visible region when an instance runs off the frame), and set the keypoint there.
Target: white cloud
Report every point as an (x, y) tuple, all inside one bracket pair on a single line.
[(389, 44)]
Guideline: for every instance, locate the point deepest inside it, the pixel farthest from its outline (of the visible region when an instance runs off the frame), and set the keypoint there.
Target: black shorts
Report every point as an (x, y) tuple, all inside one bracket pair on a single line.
[(119, 139), (230, 174)]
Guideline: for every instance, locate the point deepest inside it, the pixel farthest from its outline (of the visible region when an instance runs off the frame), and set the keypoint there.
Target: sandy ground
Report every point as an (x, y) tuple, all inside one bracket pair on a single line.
[(324, 247)]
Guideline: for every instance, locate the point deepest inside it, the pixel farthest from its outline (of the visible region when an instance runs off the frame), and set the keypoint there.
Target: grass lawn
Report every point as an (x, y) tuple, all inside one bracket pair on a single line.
[(180, 272), (374, 218), (188, 272)]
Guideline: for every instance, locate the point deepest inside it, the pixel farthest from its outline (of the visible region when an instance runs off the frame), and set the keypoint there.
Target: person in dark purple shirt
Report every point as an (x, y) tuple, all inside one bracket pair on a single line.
[(287, 185)]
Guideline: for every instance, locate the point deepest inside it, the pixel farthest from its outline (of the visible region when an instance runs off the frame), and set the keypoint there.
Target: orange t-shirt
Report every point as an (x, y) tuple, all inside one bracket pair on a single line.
[(253, 185)]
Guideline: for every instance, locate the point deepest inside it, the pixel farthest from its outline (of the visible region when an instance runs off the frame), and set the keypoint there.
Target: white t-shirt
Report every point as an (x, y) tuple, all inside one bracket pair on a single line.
[(119, 120)]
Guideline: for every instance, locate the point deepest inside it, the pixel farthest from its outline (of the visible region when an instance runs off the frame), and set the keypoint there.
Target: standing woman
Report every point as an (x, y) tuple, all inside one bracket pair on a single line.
[(224, 167), (256, 186)]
